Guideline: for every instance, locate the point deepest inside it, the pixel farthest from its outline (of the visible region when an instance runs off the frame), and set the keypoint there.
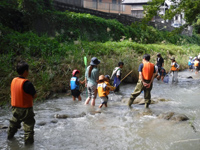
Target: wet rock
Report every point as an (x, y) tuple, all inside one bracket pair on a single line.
[(64, 116), (141, 101), (190, 77), (54, 121), (61, 116), (180, 117), (42, 123), (78, 116), (173, 116), (95, 112), (3, 127), (166, 116)]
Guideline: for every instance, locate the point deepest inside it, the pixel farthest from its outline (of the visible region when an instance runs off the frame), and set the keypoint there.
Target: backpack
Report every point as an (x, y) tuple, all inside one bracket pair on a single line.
[(114, 73)]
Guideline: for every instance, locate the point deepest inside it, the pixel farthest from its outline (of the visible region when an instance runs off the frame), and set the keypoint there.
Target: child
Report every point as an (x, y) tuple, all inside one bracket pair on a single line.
[(162, 74), (190, 62), (103, 91), (107, 81), (22, 95), (74, 84)]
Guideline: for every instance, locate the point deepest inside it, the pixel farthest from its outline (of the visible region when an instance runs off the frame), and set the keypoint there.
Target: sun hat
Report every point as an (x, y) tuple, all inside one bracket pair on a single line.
[(173, 58), (94, 61), (74, 72), (101, 77)]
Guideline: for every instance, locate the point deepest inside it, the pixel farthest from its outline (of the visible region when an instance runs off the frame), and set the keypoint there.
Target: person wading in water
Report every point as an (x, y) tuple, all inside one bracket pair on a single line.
[(145, 83), (91, 78)]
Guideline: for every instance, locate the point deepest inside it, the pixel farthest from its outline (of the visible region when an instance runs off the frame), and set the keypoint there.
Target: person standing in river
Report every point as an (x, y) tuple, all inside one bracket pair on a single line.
[(91, 79), (174, 70), (116, 76), (145, 82), (22, 95), (160, 62)]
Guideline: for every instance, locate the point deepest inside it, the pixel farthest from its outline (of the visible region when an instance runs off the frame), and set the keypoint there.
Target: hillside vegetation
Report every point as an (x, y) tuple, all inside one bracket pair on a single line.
[(54, 43)]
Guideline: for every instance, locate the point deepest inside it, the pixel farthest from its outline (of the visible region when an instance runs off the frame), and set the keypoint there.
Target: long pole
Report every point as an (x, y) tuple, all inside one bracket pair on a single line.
[(126, 75)]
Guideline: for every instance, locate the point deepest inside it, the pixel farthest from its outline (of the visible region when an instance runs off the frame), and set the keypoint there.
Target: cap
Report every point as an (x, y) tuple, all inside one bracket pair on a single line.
[(74, 72)]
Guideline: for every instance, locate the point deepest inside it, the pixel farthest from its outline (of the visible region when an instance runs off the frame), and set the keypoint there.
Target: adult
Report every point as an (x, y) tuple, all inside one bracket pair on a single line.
[(116, 75), (91, 78), (22, 95), (174, 70), (160, 62), (145, 83)]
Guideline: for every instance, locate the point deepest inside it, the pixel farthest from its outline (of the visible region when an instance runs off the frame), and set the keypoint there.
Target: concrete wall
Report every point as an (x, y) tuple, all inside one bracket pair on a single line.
[(124, 19)]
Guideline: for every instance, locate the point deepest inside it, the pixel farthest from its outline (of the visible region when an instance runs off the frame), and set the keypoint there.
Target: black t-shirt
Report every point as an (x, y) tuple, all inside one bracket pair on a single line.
[(160, 61), (29, 88)]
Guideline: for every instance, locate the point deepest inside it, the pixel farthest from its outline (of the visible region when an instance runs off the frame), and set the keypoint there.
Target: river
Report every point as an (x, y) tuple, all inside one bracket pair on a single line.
[(116, 127)]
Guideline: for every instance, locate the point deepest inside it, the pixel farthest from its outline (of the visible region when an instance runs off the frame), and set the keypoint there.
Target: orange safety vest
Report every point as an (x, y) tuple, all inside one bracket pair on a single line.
[(173, 67), (111, 87), (147, 71), (101, 91), (196, 63), (18, 97)]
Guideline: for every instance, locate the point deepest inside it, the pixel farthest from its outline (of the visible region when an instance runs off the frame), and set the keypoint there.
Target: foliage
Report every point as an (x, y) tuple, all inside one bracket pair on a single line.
[(190, 8)]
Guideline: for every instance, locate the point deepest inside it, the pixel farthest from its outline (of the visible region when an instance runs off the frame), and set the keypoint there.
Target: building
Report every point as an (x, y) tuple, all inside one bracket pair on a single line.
[(111, 6)]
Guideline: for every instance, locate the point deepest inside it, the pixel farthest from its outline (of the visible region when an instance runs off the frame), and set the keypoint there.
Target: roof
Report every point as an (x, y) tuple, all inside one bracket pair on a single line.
[(135, 2)]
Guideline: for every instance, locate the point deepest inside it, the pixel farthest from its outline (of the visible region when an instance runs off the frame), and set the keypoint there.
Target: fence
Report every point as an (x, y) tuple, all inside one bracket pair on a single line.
[(108, 7), (123, 18)]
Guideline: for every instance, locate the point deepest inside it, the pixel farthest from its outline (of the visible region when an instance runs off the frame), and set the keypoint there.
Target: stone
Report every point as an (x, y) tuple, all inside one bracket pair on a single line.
[(173, 116), (180, 117), (54, 121), (42, 123), (190, 77), (61, 116)]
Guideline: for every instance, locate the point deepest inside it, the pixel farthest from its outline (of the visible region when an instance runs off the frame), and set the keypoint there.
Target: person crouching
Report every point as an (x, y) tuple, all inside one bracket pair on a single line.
[(102, 91)]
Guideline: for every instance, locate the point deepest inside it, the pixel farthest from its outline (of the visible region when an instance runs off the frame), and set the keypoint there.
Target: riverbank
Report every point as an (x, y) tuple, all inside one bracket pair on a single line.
[(51, 72), (54, 43)]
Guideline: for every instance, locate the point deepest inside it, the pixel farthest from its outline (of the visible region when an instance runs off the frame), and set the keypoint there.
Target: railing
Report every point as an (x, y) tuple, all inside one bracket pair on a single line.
[(106, 7)]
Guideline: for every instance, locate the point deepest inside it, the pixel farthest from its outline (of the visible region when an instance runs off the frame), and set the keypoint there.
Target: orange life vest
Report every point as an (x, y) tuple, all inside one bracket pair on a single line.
[(102, 91), (196, 63), (111, 87), (173, 67), (18, 97), (147, 71)]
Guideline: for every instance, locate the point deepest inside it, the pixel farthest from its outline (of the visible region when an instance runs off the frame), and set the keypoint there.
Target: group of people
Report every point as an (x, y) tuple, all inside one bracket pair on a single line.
[(194, 63), (23, 92)]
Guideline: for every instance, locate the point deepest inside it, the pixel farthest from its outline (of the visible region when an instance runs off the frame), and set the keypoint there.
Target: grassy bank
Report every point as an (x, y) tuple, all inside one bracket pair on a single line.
[(54, 43), (50, 69)]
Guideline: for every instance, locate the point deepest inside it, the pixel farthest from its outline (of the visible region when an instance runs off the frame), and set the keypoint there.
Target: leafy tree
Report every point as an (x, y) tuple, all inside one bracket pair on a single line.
[(189, 7)]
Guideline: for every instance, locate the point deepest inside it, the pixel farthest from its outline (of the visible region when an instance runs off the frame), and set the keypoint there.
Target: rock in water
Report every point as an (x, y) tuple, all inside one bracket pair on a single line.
[(190, 77), (61, 116), (41, 123), (54, 121), (180, 117), (166, 116), (173, 116)]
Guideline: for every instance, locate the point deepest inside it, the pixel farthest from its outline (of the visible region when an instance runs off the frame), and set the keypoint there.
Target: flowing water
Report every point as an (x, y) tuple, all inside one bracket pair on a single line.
[(116, 127)]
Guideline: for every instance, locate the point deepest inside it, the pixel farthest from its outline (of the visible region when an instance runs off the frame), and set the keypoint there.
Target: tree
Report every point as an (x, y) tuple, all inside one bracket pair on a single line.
[(189, 7)]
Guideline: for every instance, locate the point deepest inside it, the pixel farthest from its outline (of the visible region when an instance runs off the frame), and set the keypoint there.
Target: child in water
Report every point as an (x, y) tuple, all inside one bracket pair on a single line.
[(74, 84), (103, 91)]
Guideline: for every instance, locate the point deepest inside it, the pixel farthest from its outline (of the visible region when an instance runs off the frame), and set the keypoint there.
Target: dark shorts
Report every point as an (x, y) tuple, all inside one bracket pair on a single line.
[(190, 67), (75, 93)]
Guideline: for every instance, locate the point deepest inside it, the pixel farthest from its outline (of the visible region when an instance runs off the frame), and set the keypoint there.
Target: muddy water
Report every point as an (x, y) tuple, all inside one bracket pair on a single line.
[(116, 127)]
